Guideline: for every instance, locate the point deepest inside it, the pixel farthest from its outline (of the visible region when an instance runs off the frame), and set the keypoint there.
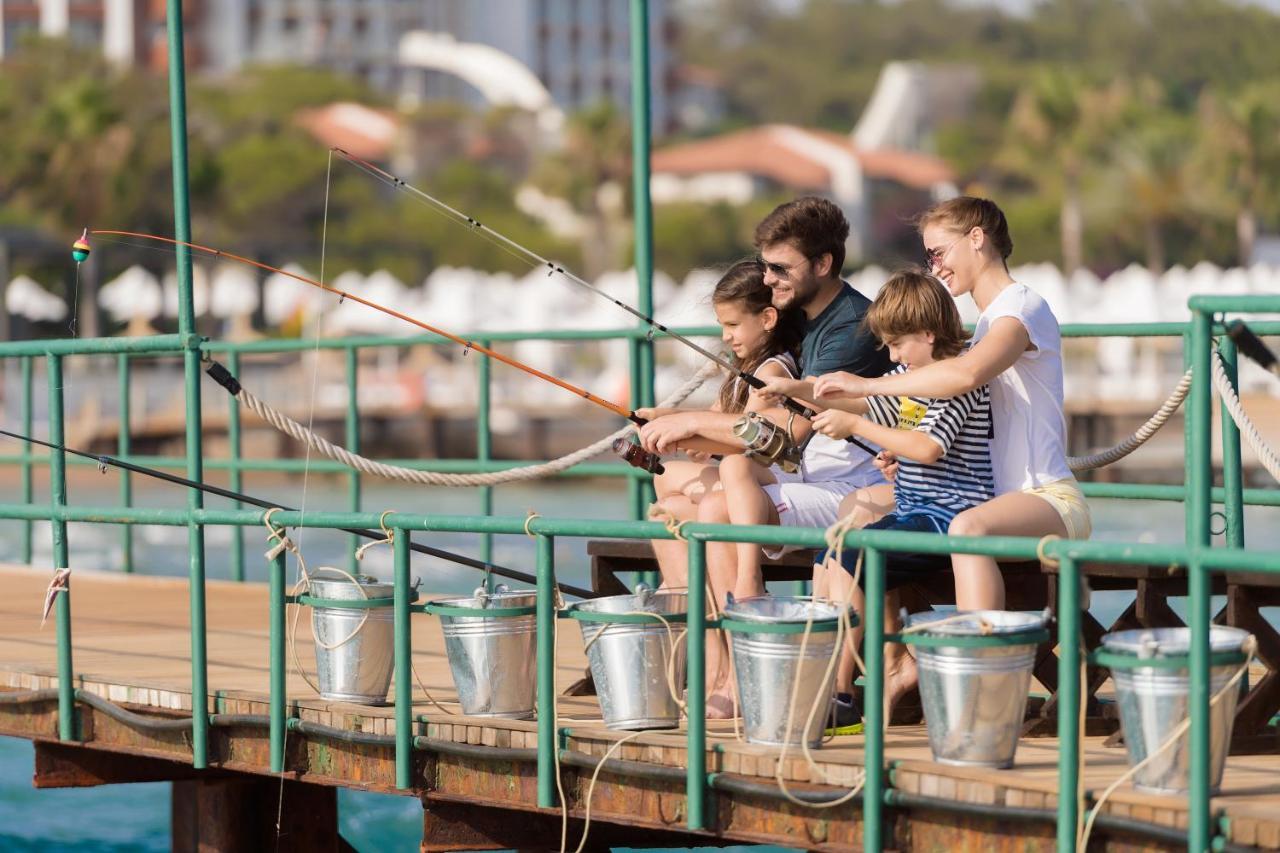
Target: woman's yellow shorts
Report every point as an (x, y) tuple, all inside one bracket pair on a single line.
[(1067, 499)]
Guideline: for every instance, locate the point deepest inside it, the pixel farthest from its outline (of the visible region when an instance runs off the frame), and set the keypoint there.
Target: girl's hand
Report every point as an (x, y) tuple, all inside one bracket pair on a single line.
[(648, 413), (661, 435), (834, 423), (839, 384), (887, 462)]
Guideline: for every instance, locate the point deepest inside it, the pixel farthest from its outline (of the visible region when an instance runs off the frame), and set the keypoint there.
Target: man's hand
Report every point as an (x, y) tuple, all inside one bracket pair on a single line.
[(663, 434), (839, 384), (887, 463), (834, 423), (777, 388)]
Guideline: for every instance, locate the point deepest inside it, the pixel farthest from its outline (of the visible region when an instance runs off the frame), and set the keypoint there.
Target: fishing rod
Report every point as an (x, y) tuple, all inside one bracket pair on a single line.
[(105, 460), (1252, 346), (528, 255), (651, 465)]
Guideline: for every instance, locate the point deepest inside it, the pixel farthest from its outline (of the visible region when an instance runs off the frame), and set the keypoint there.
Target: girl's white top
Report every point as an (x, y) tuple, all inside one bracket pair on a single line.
[(1028, 448)]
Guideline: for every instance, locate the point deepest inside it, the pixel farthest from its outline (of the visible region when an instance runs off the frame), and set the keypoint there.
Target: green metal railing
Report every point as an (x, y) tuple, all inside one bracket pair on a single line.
[(1196, 555)]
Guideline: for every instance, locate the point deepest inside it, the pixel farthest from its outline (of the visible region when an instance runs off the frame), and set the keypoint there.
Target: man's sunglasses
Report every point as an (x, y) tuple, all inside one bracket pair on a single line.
[(779, 270)]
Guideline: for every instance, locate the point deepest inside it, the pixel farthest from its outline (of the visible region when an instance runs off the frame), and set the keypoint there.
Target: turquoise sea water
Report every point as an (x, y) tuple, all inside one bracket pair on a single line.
[(120, 818)]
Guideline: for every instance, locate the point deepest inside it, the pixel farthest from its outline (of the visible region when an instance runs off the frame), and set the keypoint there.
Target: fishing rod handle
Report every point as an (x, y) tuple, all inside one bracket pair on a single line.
[(1252, 346)]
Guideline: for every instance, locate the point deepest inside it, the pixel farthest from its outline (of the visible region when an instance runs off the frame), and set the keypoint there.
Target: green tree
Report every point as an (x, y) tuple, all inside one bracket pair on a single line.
[(1239, 157), (1058, 132), (1149, 183)]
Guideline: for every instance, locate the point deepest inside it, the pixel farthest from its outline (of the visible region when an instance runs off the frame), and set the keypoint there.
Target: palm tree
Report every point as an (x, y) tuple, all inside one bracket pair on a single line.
[(1240, 155), (1057, 135), (1154, 179)]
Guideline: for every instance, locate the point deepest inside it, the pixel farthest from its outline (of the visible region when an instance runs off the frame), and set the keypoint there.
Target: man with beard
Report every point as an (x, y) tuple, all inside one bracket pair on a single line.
[(801, 245)]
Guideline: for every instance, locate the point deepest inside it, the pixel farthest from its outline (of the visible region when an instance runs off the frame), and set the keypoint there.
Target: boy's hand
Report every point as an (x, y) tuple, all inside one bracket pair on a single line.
[(834, 423), (776, 388), (661, 435), (887, 463), (839, 384)]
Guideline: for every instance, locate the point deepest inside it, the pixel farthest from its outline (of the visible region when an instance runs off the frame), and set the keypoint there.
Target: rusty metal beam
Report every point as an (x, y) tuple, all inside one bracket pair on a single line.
[(60, 765), (248, 813), (451, 826)]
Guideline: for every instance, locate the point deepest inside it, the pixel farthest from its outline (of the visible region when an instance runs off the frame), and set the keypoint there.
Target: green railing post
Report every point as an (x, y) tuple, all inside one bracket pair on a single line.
[(873, 709), (1200, 483), (1188, 361), (635, 488), (1232, 475), (123, 449), (277, 640), (696, 691), (61, 557), (353, 444), (643, 213), (235, 447), (28, 487), (191, 376), (484, 440), (546, 670), (1068, 703), (403, 662)]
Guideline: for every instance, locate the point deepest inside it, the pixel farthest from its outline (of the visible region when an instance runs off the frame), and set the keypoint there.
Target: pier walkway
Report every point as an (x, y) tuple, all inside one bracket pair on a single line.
[(475, 775)]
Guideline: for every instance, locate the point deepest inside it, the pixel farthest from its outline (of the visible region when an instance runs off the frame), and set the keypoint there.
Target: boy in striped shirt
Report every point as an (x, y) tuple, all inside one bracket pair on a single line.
[(942, 445), (942, 448)]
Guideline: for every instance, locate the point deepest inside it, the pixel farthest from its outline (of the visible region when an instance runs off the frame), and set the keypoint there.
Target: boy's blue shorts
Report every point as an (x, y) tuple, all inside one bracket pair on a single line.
[(900, 569)]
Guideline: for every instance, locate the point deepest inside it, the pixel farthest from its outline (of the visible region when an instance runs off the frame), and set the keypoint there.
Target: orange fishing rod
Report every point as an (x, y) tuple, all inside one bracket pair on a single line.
[(343, 294)]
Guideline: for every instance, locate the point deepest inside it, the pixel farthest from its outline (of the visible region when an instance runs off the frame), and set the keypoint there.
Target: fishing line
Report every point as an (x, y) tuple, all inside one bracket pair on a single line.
[(468, 345), (536, 260), (300, 572), (105, 461)]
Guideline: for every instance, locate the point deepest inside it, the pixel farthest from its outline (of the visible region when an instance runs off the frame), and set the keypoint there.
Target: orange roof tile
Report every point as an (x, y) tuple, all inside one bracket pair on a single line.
[(365, 132), (762, 151)]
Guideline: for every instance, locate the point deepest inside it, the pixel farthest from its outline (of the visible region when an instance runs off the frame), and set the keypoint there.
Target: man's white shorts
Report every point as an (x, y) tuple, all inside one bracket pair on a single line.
[(801, 504)]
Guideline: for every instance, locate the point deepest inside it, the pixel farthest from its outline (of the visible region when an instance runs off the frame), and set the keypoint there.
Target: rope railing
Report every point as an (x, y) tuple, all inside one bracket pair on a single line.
[(365, 465)]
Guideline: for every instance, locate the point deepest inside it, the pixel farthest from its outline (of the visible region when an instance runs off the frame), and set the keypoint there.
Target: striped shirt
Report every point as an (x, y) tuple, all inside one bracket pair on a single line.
[(962, 427)]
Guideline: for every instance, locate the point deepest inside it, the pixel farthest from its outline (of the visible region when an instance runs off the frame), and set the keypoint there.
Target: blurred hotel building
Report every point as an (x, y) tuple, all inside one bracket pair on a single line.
[(578, 49)]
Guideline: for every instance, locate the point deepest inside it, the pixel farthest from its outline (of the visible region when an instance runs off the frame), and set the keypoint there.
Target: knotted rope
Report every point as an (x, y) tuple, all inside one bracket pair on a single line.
[(1140, 436), (295, 430), (1231, 400)]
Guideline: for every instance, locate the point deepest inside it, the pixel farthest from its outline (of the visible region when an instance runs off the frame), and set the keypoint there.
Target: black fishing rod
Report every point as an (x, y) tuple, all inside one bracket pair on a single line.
[(528, 255), (104, 460), (1252, 346)]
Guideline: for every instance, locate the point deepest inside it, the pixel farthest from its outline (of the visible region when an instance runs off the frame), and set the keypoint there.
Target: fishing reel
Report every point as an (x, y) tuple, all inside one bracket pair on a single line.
[(767, 443), (636, 456)]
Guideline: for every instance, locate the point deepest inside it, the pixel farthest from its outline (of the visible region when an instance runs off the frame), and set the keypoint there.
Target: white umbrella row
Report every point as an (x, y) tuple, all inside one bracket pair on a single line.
[(465, 299)]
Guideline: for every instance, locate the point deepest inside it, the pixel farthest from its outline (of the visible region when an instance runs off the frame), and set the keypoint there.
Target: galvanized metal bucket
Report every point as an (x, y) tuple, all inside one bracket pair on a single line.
[(1151, 672), (629, 656), (489, 639), (354, 661), (975, 673), (767, 633)]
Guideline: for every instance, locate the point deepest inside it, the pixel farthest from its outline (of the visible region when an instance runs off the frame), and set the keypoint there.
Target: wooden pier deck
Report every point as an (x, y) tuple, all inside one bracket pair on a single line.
[(131, 647)]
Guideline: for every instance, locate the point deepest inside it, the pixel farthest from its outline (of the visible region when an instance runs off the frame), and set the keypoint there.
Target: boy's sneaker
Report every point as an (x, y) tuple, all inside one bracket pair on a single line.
[(846, 716)]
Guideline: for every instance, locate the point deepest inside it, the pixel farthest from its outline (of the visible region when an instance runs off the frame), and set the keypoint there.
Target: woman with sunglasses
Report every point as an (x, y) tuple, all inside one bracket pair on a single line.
[(1017, 349)]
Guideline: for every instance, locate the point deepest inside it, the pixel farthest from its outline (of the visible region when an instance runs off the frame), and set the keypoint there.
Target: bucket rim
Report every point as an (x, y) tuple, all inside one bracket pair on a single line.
[(821, 610), (1146, 643), (501, 604), (592, 610), (327, 583), (975, 623)]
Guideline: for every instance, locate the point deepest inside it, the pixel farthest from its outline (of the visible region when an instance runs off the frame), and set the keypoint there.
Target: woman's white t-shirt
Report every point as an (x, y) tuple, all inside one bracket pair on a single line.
[(1029, 445)]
